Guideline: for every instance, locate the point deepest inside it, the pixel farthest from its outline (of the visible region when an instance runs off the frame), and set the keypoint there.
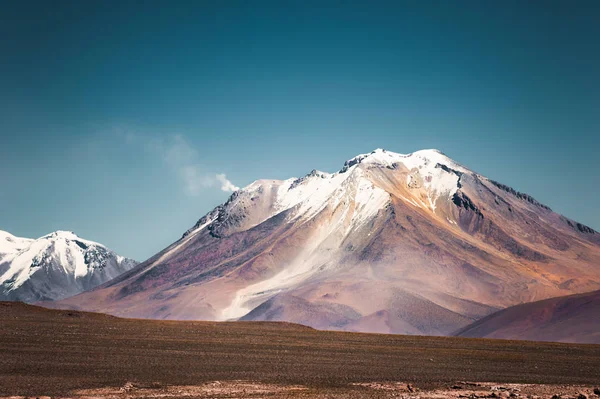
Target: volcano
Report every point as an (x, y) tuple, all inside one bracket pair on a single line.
[(394, 243)]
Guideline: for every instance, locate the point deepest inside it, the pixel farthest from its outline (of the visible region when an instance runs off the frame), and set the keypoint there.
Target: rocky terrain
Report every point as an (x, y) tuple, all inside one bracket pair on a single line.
[(400, 390), (432, 245), (55, 266)]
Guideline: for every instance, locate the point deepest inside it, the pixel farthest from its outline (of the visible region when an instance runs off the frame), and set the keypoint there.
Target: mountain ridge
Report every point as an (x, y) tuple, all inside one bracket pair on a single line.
[(572, 318), (417, 234)]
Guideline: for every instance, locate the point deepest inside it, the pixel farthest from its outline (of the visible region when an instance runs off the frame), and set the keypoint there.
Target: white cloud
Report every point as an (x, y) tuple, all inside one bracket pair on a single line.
[(182, 158)]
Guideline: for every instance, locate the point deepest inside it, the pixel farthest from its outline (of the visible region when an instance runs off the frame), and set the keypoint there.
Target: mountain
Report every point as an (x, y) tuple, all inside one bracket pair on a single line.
[(55, 266), (415, 244), (572, 318)]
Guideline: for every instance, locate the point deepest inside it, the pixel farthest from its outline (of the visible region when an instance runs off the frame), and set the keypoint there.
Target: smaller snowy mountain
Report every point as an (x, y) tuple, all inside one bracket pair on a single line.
[(55, 266)]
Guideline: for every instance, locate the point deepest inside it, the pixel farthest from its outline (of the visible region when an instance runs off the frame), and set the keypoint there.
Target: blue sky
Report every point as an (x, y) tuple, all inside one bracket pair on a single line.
[(118, 120)]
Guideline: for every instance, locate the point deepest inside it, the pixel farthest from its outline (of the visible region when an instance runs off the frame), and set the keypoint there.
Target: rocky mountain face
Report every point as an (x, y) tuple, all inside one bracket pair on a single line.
[(54, 266), (572, 318), (414, 244)]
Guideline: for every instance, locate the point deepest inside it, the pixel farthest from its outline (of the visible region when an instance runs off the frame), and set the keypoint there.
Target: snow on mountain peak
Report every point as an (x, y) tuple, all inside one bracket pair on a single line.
[(10, 243), (429, 170), (428, 158), (60, 255), (61, 234), (69, 236), (418, 159)]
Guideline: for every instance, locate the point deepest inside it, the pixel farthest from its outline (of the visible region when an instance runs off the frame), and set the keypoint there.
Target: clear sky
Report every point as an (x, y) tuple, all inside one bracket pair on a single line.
[(118, 119)]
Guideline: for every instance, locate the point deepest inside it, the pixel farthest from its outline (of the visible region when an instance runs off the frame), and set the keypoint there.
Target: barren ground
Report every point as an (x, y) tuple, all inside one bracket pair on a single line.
[(74, 354)]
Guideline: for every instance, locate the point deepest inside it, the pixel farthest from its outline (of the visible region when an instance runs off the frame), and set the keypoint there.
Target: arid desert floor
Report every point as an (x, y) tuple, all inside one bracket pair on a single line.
[(60, 354)]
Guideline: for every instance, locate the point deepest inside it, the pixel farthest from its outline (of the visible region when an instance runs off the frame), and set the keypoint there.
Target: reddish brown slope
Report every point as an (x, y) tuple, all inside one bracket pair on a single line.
[(573, 318)]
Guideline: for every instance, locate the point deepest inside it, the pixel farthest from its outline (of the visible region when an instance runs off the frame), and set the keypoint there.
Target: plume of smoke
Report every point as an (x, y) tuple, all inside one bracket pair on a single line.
[(183, 159), (226, 185)]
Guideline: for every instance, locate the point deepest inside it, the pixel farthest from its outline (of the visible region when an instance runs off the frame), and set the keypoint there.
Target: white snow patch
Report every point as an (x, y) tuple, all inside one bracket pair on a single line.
[(310, 195), (410, 201), (369, 200), (10, 244)]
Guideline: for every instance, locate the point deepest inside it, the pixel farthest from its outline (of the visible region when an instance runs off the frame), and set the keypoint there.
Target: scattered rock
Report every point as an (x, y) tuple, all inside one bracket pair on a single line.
[(127, 387)]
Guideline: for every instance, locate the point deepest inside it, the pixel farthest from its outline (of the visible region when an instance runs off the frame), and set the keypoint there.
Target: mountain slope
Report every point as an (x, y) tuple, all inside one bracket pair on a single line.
[(396, 243), (572, 318), (54, 266)]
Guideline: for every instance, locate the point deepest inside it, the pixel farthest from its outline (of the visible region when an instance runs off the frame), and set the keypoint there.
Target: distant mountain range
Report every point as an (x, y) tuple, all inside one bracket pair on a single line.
[(55, 266), (412, 244)]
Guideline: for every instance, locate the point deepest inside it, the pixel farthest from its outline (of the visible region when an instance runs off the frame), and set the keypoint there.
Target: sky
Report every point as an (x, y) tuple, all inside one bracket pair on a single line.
[(125, 122)]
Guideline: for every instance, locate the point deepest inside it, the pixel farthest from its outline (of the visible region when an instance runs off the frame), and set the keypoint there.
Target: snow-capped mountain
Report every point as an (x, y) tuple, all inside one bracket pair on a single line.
[(55, 266), (412, 243)]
